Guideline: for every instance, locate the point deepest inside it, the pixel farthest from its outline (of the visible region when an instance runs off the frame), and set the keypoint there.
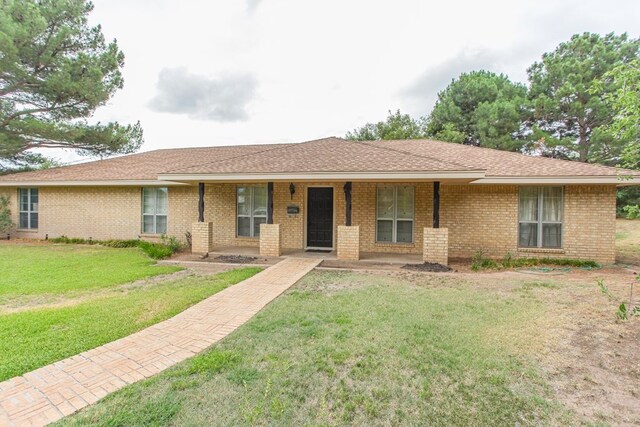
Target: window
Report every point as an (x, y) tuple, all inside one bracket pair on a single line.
[(154, 210), (251, 210), (28, 208), (395, 205), (540, 217)]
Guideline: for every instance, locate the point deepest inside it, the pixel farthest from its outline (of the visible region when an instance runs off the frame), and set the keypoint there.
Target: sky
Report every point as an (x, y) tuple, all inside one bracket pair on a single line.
[(226, 72)]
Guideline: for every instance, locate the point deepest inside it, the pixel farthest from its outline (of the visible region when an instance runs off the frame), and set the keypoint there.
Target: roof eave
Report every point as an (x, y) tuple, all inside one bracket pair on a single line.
[(462, 176), (92, 183), (620, 181)]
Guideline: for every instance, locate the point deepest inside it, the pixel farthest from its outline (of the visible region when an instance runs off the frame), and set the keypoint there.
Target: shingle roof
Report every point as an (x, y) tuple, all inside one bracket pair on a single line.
[(326, 155), (496, 162), (323, 155), (140, 166)]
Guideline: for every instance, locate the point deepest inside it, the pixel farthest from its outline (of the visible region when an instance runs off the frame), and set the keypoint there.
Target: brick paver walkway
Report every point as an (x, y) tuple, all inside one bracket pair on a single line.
[(54, 391)]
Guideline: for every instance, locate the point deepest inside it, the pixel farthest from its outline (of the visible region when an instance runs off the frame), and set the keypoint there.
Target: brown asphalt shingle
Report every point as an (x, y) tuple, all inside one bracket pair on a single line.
[(323, 155), (498, 163), (326, 155)]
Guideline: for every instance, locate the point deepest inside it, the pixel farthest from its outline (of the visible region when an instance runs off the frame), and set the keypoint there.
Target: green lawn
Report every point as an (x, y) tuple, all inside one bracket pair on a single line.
[(345, 348), (93, 302), (58, 269)]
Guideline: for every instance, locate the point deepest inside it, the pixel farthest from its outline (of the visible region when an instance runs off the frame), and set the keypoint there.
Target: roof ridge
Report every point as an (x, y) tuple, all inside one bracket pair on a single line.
[(277, 147), (372, 144)]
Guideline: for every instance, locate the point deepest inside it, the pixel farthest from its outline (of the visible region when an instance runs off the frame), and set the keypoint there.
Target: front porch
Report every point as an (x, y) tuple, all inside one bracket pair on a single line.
[(365, 257), (384, 222)]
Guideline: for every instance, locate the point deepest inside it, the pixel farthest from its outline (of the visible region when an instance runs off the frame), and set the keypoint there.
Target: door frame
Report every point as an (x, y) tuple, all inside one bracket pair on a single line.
[(333, 220)]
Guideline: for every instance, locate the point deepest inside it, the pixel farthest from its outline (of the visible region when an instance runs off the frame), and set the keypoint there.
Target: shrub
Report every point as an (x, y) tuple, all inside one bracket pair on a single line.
[(155, 250), (5, 215), (480, 261), (632, 211)]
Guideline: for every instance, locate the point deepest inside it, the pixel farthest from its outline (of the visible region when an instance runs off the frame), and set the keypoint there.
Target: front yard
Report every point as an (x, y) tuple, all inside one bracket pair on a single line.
[(539, 346), (401, 348), (59, 300)]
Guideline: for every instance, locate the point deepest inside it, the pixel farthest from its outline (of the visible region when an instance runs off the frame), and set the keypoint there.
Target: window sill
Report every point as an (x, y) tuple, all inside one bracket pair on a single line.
[(152, 235), (542, 250), (409, 245), (26, 230)]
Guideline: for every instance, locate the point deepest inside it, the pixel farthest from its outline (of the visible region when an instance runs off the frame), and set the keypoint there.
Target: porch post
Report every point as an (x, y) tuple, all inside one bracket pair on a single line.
[(436, 204), (270, 203), (201, 202), (201, 232), (347, 204)]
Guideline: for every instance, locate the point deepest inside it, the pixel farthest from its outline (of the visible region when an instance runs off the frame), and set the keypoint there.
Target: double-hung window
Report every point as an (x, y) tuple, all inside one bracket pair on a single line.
[(154, 210), (540, 217), (395, 213), (28, 211), (251, 209)]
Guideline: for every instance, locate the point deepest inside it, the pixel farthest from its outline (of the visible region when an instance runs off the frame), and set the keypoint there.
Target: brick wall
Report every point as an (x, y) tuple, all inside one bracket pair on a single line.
[(477, 216), (348, 244), (270, 240), (480, 217), (436, 245), (201, 237)]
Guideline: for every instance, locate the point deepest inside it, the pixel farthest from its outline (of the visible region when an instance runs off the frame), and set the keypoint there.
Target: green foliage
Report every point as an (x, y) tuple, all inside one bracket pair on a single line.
[(396, 126), (55, 70), (6, 224), (479, 261), (621, 86), (632, 211), (167, 246), (480, 108), (604, 289), (622, 313), (570, 113)]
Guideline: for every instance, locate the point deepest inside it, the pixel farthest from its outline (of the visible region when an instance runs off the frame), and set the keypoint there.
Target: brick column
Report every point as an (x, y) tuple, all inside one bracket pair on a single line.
[(201, 237), (270, 240), (349, 242), (436, 245)]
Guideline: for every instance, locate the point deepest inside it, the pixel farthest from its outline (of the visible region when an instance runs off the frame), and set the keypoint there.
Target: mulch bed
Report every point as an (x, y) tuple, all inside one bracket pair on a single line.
[(236, 259), (427, 266)]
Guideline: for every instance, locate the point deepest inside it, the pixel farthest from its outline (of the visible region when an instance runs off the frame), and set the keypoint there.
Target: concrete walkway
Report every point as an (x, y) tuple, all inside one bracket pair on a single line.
[(62, 388)]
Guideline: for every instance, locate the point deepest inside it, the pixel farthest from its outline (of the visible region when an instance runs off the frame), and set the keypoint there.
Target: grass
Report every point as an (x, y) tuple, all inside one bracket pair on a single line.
[(34, 338), (59, 269), (159, 250), (628, 241), (346, 348)]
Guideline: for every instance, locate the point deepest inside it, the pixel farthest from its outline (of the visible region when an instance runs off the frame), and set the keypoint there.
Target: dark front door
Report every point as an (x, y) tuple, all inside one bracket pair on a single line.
[(320, 217)]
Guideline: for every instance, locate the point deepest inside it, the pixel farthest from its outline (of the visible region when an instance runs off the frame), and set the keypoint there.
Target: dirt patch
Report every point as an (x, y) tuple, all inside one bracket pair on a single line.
[(433, 267), (593, 363), (236, 259)]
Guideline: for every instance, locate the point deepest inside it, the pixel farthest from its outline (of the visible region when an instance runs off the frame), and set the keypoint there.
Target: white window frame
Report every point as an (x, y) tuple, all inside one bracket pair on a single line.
[(540, 222), (395, 219), (29, 211), (155, 214), (251, 216)]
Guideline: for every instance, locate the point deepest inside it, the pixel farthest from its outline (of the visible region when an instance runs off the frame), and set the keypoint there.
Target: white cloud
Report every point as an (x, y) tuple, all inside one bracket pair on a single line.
[(222, 99)]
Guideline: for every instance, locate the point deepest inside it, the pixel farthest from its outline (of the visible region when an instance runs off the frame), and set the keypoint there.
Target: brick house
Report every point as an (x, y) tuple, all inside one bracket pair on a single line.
[(441, 200)]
